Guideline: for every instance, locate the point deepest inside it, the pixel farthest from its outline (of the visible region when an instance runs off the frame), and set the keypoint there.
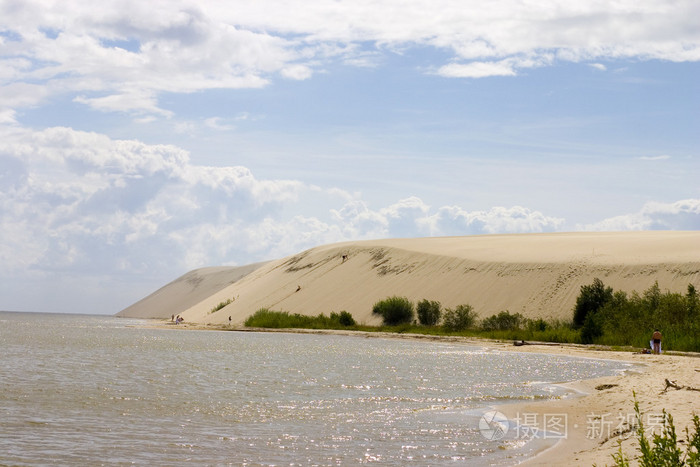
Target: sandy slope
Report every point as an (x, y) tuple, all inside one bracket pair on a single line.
[(538, 275), (186, 291)]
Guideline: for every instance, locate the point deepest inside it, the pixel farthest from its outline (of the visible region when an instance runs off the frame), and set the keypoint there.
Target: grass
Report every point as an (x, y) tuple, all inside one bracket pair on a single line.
[(265, 318), (221, 305)]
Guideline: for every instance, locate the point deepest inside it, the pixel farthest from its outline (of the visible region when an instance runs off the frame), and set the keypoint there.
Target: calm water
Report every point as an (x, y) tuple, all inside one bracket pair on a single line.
[(82, 390)]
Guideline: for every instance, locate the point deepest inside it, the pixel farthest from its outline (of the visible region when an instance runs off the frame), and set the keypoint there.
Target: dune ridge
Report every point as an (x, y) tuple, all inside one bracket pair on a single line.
[(538, 275)]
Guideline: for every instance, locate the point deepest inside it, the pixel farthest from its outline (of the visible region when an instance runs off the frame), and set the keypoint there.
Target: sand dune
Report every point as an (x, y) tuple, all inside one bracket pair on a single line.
[(538, 275), (186, 291)]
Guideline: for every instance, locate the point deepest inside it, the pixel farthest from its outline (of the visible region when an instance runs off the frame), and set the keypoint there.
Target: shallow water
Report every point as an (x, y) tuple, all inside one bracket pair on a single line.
[(78, 389)]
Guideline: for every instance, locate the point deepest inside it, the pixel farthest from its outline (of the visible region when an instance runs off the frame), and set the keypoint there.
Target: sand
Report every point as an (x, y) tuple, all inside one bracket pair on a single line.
[(603, 417), (186, 291), (538, 275)]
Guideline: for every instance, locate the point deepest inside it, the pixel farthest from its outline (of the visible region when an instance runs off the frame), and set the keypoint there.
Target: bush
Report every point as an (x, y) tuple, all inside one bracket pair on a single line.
[(428, 312), (537, 325), (503, 321), (394, 310), (344, 318), (461, 318), (264, 318), (591, 299)]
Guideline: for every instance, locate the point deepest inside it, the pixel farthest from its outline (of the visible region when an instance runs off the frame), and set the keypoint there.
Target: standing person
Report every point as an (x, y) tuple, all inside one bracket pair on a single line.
[(656, 340)]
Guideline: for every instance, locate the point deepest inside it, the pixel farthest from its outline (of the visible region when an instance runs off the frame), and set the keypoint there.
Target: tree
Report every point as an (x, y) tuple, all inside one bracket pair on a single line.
[(591, 299), (428, 312)]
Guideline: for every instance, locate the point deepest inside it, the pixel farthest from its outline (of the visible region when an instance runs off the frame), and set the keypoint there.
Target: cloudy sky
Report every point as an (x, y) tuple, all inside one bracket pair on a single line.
[(139, 140)]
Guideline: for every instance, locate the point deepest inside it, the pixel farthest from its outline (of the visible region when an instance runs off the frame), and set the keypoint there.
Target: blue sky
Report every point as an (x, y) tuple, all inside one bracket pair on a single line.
[(139, 141)]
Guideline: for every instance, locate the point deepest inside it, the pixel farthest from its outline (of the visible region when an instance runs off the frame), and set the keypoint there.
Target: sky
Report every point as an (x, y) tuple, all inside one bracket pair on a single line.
[(141, 140)]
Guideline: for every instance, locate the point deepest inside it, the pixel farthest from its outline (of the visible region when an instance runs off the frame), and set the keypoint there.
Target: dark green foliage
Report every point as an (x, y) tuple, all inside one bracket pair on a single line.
[(344, 318), (461, 318), (503, 321), (591, 329), (631, 319), (591, 299), (265, 318), (693, 452), (665, 451), (428, 312), (537, 325), (394, 310)]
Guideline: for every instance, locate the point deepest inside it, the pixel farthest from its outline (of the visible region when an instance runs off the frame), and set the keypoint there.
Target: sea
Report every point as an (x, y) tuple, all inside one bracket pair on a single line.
[(102, 390)]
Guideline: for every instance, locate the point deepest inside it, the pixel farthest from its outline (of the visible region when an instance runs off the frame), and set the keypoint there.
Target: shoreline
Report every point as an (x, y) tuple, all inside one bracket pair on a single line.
[(601, 413)]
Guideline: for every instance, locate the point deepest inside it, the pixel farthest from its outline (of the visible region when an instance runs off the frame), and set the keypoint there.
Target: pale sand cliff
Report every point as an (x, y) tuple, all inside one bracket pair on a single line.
[(538, 275)]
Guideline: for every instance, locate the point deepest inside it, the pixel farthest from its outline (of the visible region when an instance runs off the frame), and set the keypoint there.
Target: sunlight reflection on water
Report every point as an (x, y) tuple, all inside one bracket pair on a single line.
[(84, 389)]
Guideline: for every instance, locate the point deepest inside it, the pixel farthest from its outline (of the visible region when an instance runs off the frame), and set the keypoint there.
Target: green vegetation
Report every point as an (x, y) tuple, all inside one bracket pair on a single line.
[(394, 310), (460, 318), (591, 299), (504, 321), (264, 318), (428, 312), (665, 450), (631, 319), (601, 316), (221, 305)]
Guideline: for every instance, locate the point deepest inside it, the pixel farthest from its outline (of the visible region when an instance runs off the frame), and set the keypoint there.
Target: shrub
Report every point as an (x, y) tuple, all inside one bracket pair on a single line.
[(461, 318), (343, 318), (264, 318), (537, 325), (503, 321), (591, 299), (428, 312), (394, 310)]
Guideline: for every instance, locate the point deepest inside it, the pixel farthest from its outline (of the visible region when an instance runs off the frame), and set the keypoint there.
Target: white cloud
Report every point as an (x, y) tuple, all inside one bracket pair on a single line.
[(476, 70), (454, 220), (120, 56), (680, 215), (655, 158), (297, 72)]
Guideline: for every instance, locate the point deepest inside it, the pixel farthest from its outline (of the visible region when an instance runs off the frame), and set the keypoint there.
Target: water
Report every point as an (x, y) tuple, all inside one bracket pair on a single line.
[(78, 390)]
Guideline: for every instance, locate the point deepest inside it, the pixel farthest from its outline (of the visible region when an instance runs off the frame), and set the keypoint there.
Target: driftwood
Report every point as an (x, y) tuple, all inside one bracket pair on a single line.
[(519, 343), (675, 385)]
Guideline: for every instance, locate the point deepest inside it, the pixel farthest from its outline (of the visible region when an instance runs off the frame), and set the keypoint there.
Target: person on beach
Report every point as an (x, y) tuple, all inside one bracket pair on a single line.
[(656, 340)]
